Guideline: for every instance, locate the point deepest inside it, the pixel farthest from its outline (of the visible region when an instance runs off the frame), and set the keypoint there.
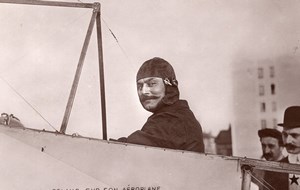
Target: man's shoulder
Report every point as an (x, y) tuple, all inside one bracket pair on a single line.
[(285, 160), (173, 109), (178, 113)]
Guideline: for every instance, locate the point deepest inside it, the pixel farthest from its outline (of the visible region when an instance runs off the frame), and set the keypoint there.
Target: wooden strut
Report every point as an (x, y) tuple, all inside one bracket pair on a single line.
[(49, 3), (271, 166), (248, 164), (101, 75), (96, 11), (246, 180)]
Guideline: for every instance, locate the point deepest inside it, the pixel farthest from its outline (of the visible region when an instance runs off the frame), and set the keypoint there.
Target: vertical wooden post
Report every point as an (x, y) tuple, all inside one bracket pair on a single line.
[(246, 180), (101, 73)]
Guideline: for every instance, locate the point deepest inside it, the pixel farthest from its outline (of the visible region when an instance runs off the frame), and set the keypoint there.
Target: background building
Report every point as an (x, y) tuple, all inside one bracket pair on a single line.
[(262, 90), (224, 142)]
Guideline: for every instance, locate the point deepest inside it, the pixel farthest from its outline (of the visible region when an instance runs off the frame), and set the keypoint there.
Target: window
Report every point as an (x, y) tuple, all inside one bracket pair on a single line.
[(272, 89), (274, 123), (261, 90), (272, 71), (260, 73), (263, 107), (274, 106), (263, 124)]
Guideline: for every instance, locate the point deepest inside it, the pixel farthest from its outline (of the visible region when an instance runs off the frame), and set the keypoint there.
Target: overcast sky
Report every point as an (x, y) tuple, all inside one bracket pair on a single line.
[(40, 48)]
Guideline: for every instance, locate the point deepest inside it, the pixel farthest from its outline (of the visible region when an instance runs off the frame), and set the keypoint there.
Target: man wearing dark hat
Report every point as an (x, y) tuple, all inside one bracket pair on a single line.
[(271, 144), (291, 140), (172, 124), (291, 133)]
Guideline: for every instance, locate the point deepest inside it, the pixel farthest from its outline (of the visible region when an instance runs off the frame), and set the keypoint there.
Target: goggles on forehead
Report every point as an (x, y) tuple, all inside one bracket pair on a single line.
[(169, 82)]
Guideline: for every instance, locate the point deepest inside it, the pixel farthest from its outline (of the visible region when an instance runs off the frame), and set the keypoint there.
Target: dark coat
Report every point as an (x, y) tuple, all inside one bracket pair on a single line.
[(277, 180), (172, 126)]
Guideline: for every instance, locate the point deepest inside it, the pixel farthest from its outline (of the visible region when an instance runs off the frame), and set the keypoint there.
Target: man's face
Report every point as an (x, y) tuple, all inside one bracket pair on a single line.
[(291, 139), (150, 90), (271, 149)]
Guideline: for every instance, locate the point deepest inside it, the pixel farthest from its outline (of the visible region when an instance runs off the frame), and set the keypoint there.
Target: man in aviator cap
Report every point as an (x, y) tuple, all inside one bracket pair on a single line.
[(172, 124), (291, 140)]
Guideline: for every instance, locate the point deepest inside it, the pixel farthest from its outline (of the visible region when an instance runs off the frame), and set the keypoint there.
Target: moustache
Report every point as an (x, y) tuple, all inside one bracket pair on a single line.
[(268, 155), (144, 98), (291, 146)]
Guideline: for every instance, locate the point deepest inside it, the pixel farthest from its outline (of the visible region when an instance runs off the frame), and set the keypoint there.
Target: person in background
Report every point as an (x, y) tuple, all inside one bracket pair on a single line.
[(172, 123), (271, 144), (272, 147), (291, 140)]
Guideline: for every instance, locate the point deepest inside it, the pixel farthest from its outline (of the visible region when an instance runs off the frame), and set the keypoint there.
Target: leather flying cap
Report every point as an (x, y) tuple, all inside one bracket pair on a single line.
[(267, 132), (156, 67), (291, 117)]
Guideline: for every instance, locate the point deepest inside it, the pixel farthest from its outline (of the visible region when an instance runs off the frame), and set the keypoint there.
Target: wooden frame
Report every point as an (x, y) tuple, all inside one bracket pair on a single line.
[(96, 17)]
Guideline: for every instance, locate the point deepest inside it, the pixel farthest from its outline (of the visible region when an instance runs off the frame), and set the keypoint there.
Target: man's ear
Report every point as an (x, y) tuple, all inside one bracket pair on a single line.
[(171, 95)]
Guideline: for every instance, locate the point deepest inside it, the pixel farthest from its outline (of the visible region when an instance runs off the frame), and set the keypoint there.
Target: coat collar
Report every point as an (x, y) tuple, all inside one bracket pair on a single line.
[(179, 104)]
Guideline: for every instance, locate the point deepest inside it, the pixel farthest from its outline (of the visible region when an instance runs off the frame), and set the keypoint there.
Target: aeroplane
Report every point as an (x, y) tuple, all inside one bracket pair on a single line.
[(40, 159)]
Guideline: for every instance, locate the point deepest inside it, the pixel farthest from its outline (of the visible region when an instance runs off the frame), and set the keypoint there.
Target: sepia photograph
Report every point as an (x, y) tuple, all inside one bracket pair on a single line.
[(149, 95)]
